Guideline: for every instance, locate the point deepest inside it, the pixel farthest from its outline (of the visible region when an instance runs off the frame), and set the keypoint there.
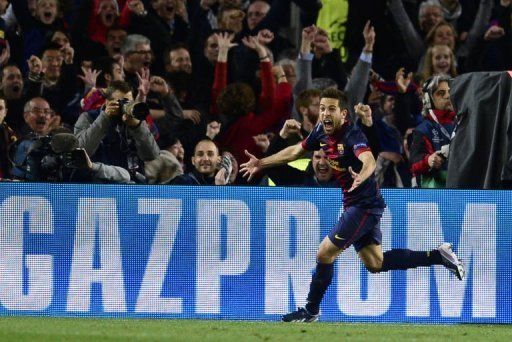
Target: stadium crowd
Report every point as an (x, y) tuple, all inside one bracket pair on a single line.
[(175, 91)]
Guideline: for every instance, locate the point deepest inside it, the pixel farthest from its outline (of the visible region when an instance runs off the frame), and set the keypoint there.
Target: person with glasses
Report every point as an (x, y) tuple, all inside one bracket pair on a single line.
[(138, 58), (38, 115)]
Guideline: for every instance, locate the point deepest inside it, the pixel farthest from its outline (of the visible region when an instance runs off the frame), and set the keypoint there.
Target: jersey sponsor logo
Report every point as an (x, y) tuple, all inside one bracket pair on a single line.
[(335, 165), (322, 144), (337, 237)]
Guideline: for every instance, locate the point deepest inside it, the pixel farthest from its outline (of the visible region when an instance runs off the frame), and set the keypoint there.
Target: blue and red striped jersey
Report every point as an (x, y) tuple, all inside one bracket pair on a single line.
[(342, 150)]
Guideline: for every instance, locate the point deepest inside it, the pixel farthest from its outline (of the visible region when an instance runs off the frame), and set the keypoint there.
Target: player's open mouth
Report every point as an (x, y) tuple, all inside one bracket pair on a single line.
[(328, 123), (48, 15), (169, 9)]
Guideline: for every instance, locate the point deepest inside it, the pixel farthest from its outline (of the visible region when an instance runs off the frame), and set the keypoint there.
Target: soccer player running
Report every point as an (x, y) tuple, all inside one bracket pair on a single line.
[(353, 164)]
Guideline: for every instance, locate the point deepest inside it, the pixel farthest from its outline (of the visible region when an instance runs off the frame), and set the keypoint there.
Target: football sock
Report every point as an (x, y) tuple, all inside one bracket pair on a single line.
[(402, 259), (320, 281)]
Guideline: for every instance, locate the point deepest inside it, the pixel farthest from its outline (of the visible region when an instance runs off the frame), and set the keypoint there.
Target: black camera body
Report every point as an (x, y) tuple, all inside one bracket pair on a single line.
[(46, 161)]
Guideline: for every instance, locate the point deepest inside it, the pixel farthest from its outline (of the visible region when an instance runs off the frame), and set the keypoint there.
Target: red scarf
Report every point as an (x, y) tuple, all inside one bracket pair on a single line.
[(444, 116)]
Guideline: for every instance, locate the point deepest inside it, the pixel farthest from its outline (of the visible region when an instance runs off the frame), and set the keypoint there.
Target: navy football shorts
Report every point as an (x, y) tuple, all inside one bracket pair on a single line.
[(357, 226)]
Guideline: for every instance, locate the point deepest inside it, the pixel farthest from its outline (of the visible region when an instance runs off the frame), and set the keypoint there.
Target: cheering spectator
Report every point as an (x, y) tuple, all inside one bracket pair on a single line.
[(208, 169), (235, 104), (53, 77), (12, 91)]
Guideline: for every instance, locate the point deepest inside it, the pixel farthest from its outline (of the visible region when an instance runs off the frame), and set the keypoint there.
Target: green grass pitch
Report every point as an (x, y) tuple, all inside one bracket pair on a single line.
[(86, 329)]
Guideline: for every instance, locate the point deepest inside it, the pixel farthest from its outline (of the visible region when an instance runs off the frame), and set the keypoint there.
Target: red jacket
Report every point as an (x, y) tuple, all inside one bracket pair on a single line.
[(275, 103)]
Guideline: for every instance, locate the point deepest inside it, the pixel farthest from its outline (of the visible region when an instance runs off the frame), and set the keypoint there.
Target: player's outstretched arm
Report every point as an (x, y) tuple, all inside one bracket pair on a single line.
[(366, 171), (255, 165)]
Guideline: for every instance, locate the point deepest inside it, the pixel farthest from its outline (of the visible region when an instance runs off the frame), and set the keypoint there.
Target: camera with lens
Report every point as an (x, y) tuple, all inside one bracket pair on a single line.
[(138, 110), (50, 158)]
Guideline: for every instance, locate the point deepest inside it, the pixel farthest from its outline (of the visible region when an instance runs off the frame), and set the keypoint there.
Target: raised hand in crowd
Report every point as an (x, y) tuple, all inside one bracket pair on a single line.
[(369, 37), (505, 3), (181, 10), (35, 65), (265, 37), (225, 42), (252, 43), (308, 37), (158, 86), (262, 141), (290, 127), (192, 115), (212, 129), (494, 32), (89, 77), (402, 83), (54, 122), (136, 7), (5, 55), (144, 84), (321, 43), (364, 112), (207, 4), (279, 74)]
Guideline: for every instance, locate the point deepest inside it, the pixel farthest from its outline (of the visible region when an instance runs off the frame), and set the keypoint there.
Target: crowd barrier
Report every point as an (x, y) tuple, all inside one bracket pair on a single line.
[(242, 253)]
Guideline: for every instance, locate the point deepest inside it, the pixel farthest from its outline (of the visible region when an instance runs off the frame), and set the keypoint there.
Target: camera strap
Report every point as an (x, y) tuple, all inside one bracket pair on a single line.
[(441, 127)]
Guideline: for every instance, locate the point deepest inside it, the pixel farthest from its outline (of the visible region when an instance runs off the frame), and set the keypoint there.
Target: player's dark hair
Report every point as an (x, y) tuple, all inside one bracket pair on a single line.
[(332, 93)]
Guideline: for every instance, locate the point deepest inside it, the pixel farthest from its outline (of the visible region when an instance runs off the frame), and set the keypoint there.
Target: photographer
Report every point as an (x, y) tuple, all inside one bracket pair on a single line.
[(431, 138), (117, 134)]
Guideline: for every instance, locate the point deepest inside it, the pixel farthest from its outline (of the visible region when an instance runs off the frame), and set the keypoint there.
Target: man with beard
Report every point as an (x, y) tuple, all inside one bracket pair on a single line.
[(53, 77), (12, 91), (207, 167), (163, 25), (353, 165)]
